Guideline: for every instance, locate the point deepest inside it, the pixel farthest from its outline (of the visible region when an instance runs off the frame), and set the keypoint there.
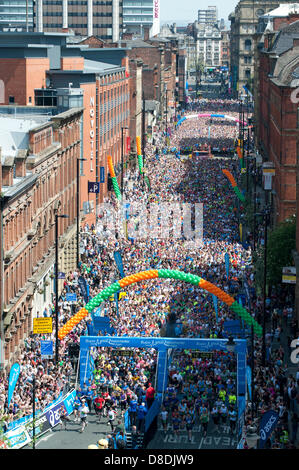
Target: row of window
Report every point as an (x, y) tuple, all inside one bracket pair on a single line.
[(78, 2), (82, 26), (75, 13)]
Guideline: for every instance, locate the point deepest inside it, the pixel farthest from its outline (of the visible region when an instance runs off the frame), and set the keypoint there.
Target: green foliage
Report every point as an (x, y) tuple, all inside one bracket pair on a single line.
[(281, 242)]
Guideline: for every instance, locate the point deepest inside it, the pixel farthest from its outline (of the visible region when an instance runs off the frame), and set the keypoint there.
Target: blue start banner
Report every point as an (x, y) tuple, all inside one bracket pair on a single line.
[(13, 378), (267, 426)]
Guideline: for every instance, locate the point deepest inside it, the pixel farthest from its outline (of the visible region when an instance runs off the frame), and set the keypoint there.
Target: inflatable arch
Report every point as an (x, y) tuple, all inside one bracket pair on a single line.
[(161, 274), (221, 116)]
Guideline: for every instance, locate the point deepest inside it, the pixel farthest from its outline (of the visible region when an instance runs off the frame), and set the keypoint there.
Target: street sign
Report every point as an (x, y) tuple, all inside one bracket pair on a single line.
[(289, 275), (61, 275), (46, 349), (93, 187), (42, 325), (71, 297)]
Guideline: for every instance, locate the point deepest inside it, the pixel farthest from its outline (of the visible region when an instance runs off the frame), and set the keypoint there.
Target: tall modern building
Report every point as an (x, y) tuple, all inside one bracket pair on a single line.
[(209, 16), (85, 17), (16, 15), (140, 14)]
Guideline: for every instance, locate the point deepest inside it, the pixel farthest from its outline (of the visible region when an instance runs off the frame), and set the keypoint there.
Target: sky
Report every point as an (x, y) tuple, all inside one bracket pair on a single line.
[(183, 12)]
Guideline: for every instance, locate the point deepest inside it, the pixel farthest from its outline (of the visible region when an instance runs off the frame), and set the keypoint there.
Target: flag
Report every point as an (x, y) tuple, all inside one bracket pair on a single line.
[(13, 378)]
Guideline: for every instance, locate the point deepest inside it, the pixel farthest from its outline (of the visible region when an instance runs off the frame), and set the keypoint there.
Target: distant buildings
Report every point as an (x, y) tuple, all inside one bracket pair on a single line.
[(17, 15), (140, 15), (88, 17), (244, 22), (208, 16)]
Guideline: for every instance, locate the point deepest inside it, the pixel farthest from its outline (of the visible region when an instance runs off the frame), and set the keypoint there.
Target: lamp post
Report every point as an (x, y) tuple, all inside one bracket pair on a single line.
[(62, 216), (166, 110), (266, 221), (252, 374), (143, 127), (122, 159), (33, 412), (254, 205), (78, 207)]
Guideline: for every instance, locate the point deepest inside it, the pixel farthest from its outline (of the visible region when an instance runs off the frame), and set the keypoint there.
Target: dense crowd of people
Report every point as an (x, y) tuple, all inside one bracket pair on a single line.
[(200, 389)]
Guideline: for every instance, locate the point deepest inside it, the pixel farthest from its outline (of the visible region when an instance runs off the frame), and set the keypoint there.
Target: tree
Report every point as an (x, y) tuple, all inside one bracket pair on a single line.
[(280, 245)]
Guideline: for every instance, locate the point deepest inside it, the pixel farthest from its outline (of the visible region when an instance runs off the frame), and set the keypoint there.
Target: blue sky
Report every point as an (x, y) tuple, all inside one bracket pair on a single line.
[(185, 11)]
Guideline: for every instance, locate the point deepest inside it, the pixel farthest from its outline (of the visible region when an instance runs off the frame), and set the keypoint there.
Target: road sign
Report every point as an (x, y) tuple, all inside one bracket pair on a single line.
[(93, 187), (61, 275), (71, 297), (42, 325), (46, 349)]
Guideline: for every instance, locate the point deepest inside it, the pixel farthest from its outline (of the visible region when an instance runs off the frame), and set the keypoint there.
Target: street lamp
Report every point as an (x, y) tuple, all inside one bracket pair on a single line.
[(78, 207), (33, 411), (122, 159), (62, 216)]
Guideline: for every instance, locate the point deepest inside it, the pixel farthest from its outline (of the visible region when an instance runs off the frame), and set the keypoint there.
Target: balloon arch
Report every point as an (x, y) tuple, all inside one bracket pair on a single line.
[(221, 116), (160, 274)]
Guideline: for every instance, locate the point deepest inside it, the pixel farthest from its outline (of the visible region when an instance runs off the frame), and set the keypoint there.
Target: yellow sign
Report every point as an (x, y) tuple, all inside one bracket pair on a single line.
[(42, 325)]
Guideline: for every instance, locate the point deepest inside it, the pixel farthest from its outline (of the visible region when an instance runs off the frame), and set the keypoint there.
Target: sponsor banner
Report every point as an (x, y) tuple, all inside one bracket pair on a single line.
[(84, 288), (17, 438), (119, 262), (21, 435), (42, 425), (267, 426), (226, 260), (13, 378)]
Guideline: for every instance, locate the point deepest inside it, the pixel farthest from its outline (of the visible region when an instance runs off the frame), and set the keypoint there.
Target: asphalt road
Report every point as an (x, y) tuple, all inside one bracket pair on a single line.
[(72, 438)]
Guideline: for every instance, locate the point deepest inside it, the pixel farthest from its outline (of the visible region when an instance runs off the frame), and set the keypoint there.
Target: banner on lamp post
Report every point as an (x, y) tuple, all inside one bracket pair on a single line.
[(13, 378)]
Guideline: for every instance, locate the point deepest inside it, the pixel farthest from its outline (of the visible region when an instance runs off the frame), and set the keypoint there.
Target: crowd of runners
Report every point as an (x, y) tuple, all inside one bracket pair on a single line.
[(200, 389)]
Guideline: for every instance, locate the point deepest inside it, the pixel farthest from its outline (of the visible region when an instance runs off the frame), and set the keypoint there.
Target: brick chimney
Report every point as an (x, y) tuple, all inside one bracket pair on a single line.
[(146, 33), (127, 36)]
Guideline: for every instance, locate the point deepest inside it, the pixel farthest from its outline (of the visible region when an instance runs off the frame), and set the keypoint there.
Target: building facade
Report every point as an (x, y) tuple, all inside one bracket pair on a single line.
[(278, 124), (38, 181), (17, 15), (87, 18), (139, 15), (244, 21), (208, 16)]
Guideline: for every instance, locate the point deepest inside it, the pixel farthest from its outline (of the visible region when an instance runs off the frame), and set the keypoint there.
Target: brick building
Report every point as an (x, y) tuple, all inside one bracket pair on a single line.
[(59, 67), (278, 121), (38, 164)]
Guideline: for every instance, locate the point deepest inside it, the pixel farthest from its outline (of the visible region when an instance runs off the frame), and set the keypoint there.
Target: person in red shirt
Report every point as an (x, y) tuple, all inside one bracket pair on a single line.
[(98, 406), (150, 395)]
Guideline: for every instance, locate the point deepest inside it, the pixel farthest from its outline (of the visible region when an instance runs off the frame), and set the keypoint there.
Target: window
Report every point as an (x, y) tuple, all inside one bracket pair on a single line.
[(247, 45), (247, 73), (247, 60), (11, 99)]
